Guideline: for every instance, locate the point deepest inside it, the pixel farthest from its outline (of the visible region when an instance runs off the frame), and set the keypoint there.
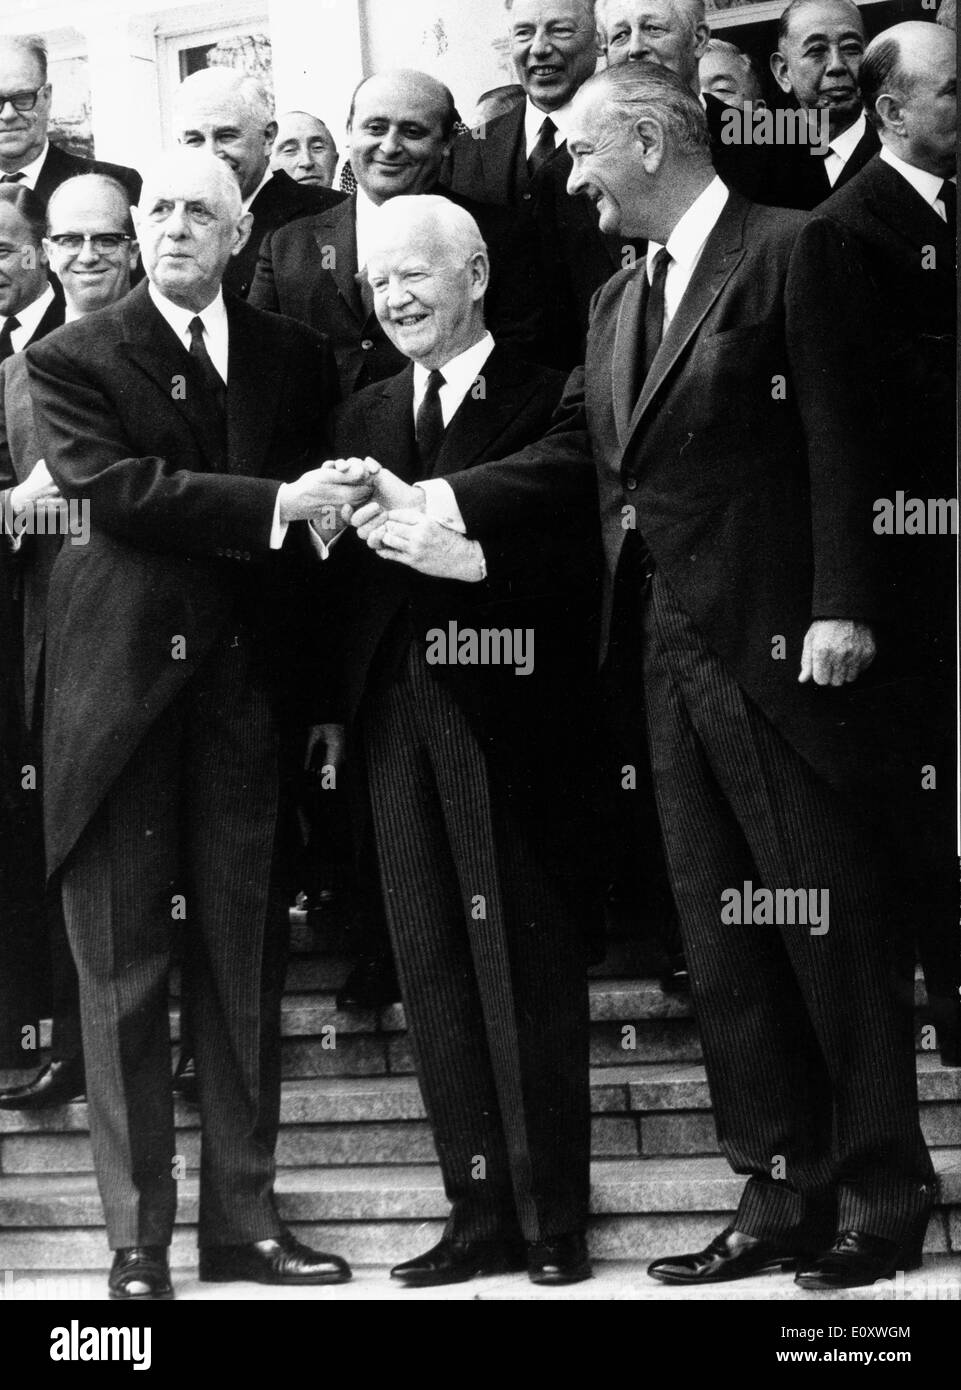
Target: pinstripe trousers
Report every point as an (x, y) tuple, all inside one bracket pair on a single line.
[(192, 815), (808, 1050), (492, 964)]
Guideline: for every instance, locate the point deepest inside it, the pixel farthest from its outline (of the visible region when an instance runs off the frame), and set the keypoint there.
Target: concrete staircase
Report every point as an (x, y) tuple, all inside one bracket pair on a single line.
[(357, 1165)]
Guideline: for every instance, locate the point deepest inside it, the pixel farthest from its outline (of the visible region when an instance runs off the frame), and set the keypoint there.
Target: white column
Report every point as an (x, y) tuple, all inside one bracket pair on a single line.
[(318, 57), (125, 112)]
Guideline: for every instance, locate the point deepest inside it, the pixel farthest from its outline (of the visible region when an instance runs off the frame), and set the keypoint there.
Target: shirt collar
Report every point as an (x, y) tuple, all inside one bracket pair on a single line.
[(844, 145), (214, 317), (686, 241), (29, 317), (31, 171), (461, 371), (268, 175), (534, 118), (928, 185)]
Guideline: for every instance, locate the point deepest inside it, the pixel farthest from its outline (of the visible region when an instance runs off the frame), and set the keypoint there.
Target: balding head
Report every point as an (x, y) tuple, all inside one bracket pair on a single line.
[(190, 222), (908, 83), (400, 127), (820, 46), (229, 114), (304, 149), (673, 33), (90, 241), (428, 268)]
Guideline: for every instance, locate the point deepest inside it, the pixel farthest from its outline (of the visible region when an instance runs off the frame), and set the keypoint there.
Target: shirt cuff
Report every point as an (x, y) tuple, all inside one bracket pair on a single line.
[(441, 504), (278, 528)]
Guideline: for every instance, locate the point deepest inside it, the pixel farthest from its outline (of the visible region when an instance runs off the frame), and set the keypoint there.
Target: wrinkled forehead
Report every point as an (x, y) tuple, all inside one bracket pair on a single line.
[(199, 190), (208, 113), (302, 128), (87, 210), (19, 70), (832, 18), (418, 248), (615, 12), (525, 12), (722, 65)]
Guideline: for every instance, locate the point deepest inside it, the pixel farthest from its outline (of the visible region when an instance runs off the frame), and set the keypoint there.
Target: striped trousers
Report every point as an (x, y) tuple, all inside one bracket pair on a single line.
[(492, 964), (808, 1050), (191, 820)]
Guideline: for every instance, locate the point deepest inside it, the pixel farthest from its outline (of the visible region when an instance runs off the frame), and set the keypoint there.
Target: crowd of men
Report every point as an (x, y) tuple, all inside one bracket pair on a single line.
[(544, 485)]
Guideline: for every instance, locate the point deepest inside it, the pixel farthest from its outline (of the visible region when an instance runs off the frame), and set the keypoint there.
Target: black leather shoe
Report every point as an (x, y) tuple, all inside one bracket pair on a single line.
[(855, 1259), (731, 1255), (140, 1272), (282, 1260), (562, 1260), (456, 1261), (58, 1083), (184, 1082), (372, 984)]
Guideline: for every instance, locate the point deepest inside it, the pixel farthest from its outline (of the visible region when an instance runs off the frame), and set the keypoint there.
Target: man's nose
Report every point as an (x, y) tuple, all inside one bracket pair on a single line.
[(176, 223), (542, 45), (397, 293), (575, 181), (87, 255), (837, 60), (390, 142), (640, 50)]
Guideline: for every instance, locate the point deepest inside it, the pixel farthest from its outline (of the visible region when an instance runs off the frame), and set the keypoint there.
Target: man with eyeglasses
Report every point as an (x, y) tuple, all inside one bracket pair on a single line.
[(92, 251), (27, 157)]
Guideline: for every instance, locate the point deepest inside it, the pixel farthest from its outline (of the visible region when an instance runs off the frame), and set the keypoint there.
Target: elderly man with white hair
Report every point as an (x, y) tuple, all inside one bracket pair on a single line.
[(184, 419), (460, 693), (230, 114)]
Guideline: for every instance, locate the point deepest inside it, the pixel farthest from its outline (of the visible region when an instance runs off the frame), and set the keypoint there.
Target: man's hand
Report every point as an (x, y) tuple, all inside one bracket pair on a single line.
[(37, 486), (390, 493), (409, 538), (323, 492), (326, 747), (836, 651)]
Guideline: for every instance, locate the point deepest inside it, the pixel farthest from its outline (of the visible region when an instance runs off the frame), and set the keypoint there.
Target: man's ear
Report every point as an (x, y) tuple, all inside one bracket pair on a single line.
[(701, 36), (891, 113), (480, 273), (650, 137), (270, 135), (242, 236), (779, 68), (134, 248)]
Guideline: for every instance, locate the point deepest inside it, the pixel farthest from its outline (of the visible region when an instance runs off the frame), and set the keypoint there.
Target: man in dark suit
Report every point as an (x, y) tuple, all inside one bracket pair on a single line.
[(399, 128), (30, 304), (749, 539), (229, 114), (26, 155), (91, 250), (819, 51), (163, 756), (479, 825), (886, 243)]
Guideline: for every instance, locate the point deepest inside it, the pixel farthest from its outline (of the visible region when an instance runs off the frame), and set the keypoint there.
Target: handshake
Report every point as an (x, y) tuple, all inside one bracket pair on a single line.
[(387, 513)]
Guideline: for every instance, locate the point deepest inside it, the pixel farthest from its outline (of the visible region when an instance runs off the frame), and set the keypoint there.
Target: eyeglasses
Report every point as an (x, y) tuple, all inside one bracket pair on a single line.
[(21, 101), (100, 242)]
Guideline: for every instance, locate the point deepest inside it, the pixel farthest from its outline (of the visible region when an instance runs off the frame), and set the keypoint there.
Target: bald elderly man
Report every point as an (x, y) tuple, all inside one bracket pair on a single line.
[(186, 420), (304, 148), (480, 827), (230, 115)]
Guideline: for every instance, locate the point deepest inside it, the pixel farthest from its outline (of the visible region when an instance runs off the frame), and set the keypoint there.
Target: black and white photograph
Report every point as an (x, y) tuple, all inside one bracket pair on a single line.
[(479, 665)]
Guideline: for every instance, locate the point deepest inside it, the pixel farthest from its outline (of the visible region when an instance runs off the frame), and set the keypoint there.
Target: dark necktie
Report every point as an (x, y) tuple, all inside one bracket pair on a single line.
[(429, 424), (12, 178), (653, 316), (543, 149), (211, 377), (949, 196), (6, 346)]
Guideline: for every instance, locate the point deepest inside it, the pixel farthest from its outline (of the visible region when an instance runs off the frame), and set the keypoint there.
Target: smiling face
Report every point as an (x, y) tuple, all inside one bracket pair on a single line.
[(652, 31), (554, 48), (607, 165), (428, 293), (397, 137), (225, 126), (22, 133), (23, 262), (305, 149), (189, 224), (91, 277), (820, 58)]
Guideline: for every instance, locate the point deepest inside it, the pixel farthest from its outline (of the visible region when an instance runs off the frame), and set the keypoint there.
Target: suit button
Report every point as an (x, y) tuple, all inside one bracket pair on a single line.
[(631, 484), (367, 344), (527, 197), (246, 554)]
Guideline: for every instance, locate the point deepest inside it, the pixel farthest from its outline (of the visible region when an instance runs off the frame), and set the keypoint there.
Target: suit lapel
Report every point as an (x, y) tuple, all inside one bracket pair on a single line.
[(336, 236), (499, 152), (722, 252), (481, 419), (627, 351), (864, 150), (389, 415), (900, 207), (254, 388), (152, 345)]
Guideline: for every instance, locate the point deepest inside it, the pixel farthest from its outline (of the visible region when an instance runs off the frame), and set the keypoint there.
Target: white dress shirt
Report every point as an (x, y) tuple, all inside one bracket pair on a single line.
[(31, 171), (29, 319), (842, 147), (365, 220), (686, 243), (534, 118), (216, 341), (928, 185), (268, 175)]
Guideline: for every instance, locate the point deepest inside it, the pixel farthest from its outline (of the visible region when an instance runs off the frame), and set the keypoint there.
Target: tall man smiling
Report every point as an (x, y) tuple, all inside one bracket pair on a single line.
[(179, 413)]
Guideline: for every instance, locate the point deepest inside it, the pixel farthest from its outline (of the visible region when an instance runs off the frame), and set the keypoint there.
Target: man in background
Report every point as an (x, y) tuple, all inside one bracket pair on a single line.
[(723, 71), (304, 148)]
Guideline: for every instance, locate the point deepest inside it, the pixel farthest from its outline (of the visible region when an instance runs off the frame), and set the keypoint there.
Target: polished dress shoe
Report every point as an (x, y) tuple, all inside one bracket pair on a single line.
[(453, 1261), (560, 1260), (281, 1260), (731, 1255), (58, 1083), (140, 1272), (372, 984), (184, 1082), (855, 1259)]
